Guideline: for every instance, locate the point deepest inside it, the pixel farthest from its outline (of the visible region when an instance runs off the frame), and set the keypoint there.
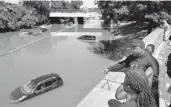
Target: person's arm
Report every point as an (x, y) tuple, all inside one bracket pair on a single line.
[(149, 73), (121, 66), (115, 67), (120, 93), (155, 67)]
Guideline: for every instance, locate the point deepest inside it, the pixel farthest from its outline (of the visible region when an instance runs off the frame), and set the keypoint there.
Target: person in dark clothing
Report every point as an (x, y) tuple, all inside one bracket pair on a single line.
[(139, 59)]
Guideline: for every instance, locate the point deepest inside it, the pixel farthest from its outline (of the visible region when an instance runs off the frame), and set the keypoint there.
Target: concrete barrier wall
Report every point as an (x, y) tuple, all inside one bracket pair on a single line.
[(155, 38), (161, 54), (164, 80)]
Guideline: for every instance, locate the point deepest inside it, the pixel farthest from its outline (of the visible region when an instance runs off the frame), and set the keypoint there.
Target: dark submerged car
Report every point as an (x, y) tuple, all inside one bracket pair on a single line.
[(43, 29), (87, 37), (35, 87)]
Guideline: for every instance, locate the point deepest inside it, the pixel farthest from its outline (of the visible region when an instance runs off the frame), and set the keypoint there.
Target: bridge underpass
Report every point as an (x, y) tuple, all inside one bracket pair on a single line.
[(76, 15), (78, 18)]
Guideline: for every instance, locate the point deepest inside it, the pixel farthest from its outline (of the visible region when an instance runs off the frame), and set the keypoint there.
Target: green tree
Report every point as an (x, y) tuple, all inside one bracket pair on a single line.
[(42, 9), (14, 16), (76, 4), (56, 5), (30, 13), (134, 10)]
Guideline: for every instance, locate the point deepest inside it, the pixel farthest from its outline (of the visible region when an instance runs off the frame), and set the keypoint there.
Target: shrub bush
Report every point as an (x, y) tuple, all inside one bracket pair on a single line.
[(113, 50), (13, 17), (134, 10)]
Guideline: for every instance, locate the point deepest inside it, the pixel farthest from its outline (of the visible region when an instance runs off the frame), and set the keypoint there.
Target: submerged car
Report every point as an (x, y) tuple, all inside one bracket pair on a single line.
[(45, 27), (35, 87), (87, 37)]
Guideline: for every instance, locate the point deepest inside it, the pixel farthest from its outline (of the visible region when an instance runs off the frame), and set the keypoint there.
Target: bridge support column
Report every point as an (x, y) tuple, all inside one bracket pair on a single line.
[(76, 28), (75, 20), (110, 36)]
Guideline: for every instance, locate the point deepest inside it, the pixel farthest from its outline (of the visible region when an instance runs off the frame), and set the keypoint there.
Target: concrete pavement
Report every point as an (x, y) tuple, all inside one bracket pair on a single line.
[(103, 91)]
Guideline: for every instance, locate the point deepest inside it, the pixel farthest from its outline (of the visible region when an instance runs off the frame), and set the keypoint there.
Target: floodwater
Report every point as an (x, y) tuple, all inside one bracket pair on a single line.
[(79, 68), (12, 40), (72, 59)]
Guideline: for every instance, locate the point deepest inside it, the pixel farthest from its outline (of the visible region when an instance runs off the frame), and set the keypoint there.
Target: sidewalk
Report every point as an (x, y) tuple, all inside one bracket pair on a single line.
[(103, 91)]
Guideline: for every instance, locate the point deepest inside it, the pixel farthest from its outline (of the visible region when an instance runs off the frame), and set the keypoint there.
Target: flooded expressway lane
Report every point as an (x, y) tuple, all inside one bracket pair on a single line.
[(79, 68)]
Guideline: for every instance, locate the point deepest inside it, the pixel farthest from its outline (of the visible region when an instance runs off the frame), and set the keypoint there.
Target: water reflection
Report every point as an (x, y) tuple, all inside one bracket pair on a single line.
[(88, 41), (112, 49)]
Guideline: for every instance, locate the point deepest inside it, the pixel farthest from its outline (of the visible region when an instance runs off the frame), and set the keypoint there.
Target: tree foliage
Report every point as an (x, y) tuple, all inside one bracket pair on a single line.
[(112, 50), (56, 5), (30, 13), (76, 4), (12, 16), (42, 9), (134, 10)]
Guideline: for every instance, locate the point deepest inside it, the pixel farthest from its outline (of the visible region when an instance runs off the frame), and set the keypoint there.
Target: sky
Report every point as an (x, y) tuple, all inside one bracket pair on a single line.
[(89, 3)]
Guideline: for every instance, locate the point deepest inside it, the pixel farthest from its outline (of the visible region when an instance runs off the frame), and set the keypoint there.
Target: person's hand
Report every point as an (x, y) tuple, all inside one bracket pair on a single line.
[(106, 71), (155, 78)]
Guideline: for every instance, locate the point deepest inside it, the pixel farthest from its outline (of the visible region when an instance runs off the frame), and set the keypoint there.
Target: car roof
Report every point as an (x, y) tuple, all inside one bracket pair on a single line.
[(44, 77)]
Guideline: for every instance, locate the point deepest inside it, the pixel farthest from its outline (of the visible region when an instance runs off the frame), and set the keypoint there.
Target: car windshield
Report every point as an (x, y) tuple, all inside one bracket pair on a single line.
[(28, 87)]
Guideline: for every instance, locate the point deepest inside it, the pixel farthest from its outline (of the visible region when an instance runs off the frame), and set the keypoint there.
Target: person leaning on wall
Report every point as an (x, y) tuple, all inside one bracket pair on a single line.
[(139, 58)]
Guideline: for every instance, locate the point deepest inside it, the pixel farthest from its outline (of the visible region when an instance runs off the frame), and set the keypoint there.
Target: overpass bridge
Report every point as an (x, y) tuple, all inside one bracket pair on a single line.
[(77, 15)]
